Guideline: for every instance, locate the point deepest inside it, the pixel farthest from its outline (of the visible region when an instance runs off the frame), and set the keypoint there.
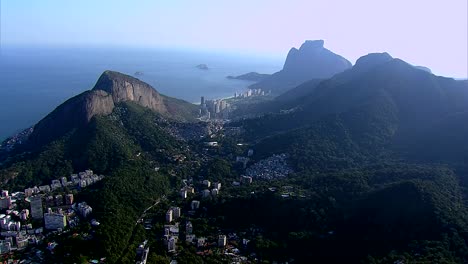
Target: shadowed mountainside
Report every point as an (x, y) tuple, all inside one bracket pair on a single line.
[(310, 61)]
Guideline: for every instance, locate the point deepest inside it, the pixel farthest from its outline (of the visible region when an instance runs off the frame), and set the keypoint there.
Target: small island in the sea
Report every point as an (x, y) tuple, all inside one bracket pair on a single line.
[(202, 67), (138, 73)]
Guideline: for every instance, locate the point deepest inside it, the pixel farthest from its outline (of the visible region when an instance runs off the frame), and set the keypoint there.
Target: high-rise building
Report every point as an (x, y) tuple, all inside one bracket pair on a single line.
[(54, 221), (21, 242), (171, 244), (183, 193), (201, 242), (195, 204), (58, 200), (246, 179), (28, 192), (49, 201), (206, 193), (222, 240), (176, 212), (189, 227), (5, 202), (5, 247), (207, 183), (190, 189), (69, 199), (202, 101), (84, 209), (24, 214), (169, 216), (36, 207), (250, 153), (64, 182), (223, 105), (142, 253)]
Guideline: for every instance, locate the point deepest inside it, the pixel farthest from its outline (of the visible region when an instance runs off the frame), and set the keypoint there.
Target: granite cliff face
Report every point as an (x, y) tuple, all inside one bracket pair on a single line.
[(111, 89), (98, 102), (123, 88), (311, 61)]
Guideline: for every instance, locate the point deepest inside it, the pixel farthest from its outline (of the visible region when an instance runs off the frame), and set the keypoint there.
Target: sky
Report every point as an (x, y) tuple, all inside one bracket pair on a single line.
[(430, 33)]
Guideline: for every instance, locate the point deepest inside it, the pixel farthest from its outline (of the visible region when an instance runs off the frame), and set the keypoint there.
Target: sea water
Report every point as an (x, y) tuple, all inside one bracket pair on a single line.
[(35, 80)]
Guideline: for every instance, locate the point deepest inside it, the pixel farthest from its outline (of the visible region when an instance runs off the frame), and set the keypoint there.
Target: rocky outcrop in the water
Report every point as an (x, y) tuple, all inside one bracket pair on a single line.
[(202, 67), (251, 76), (111, 89), (311, 61)]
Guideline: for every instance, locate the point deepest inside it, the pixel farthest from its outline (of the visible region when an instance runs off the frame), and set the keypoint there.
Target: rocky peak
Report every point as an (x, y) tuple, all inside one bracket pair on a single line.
[(127, 88), (371, 60), (313, 59), (426, 69), (110, 89), (312, 44)]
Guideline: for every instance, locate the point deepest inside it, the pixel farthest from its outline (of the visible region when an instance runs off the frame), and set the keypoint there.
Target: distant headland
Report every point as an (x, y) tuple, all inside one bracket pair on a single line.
[(202, 67)]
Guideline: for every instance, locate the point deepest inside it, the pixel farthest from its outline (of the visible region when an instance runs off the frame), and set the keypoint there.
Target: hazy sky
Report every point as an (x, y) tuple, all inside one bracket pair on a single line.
[(432, 33)]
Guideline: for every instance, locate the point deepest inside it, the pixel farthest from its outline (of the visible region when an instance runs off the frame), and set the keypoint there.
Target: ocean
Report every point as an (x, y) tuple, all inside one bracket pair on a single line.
[(35, 80)]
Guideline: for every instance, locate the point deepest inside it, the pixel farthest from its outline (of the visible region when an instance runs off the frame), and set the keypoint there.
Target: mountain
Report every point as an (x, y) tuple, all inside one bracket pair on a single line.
[(111, 89), (251, 76), (310, 61), (386, 144), (297, 96), (123, 129), (373, 151), (423, 68), (381, 105)]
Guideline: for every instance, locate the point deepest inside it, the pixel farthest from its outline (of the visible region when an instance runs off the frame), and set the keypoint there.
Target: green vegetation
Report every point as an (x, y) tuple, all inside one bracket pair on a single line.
[(108, 145), (368, 159), (385, 211), (379, 177)]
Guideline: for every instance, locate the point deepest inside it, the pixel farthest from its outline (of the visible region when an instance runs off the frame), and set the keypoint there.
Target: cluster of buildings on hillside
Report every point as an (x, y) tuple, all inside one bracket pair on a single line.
[(142, 253), (17, 139), (61, 211), (80, 180), (172, 234), (250, 93), (16, 231), (171, 229), (209, 189), (270, 168), (187, 132), (16, 226), (214, 109), (173, 214)]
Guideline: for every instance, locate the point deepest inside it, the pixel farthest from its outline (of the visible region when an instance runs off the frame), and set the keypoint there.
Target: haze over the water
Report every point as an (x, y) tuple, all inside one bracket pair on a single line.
[(430, 33)]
